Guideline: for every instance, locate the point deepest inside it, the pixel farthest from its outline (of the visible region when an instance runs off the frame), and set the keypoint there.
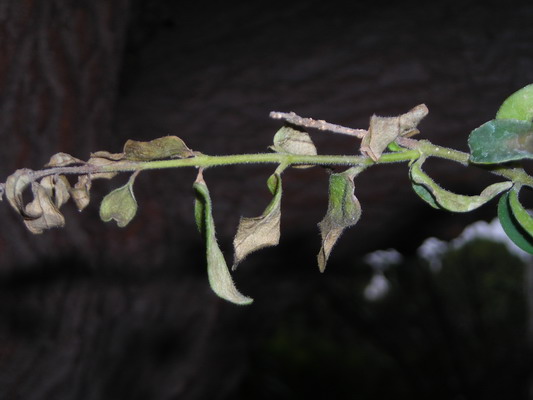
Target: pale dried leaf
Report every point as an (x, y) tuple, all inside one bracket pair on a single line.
[(15, 186), (99, 161), (263, 231), (44, 214), (107, 155), (57, 188), (385, 130), (81, 192), (63, 160), (157, 149)]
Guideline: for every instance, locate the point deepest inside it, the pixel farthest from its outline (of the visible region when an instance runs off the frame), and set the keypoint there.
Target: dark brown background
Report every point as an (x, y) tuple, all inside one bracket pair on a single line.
[(96, 312)]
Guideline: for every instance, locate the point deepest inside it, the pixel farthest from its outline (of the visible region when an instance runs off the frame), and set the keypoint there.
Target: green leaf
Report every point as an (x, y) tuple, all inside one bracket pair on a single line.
[(120, 205), (256, 233), (501, 140), (520, 213), (385, 130), (157, 149), (426, 195), (344, 210), (289, 140), (452, 201), (519, 105), (217, 270), (511, 226)]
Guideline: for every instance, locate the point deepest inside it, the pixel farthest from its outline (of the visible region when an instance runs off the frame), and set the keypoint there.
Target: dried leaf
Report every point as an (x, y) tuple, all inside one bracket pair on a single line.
[(99, 161), (63, 160), (15, 186), (120, 205), (385, 130), (44, 213), (452, 201), (81, 192), (108, 156), (157, 149), (263, 231), (344, 210), (57, 188), (217, 269)]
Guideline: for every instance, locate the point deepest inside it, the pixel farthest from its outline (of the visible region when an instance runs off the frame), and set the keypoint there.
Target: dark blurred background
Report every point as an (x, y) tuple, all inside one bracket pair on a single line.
[(93, 311)]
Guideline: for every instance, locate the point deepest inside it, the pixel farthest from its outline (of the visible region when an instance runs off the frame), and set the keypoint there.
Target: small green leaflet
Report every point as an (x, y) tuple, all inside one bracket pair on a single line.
[(120, 204), (515, 221), (344, 210), (217, 269)]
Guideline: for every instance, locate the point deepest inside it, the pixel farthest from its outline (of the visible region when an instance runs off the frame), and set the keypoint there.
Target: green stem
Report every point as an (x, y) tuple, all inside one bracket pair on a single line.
[(414, 150)]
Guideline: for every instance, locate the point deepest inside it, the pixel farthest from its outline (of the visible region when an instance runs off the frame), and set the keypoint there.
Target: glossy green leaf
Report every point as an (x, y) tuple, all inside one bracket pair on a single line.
[(217, 269), (452, 201), (511, 226), (500, 141), (257, 233), (520, 213), (120, 205), (519, 105), (344, 210)]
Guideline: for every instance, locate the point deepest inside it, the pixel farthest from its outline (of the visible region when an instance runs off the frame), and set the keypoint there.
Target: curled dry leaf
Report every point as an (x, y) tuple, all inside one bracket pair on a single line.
[(57, 188), (108, 156), (217, 270), (344, 210), (81, 192), (385, 130), (63, 160), (100, 161), (15, 185), (263, 231), (42, 213), (157, 149)]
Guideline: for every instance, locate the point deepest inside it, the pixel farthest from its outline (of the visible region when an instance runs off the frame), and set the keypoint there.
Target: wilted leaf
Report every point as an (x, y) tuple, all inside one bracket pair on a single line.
[(80, 193), (519, 105), (57, 188), (384, 130), (99, 161), (501, 140), (263, 231), (120, 204), (15, 186), (108, 156), (157, 149), (293, 141), (344, 210), (63, 160), (42, 213), (451, 201), (217, 269), (511, 226)]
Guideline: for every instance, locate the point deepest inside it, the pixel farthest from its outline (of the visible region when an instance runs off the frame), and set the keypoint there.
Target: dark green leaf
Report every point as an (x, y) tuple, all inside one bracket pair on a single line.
[(501, 140), (512, 227)]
